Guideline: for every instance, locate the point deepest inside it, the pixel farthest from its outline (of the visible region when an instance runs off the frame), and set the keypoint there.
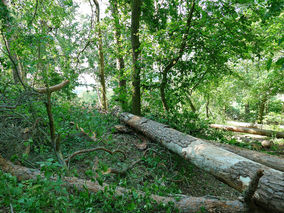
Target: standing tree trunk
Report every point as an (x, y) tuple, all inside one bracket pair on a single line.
[(164, 81), (55, 140), (136, 93), (247, 109), (207, 106), (261, 109), (101, 56), (191, 104), (119, 60), (6, 27)]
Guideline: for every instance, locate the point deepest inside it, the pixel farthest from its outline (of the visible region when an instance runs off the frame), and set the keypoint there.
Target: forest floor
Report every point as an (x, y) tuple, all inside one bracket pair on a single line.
[(159, 171)]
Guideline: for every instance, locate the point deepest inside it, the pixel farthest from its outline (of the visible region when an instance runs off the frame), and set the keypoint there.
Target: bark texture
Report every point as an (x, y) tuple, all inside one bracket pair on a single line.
[(184, 204), (234, 170), (135, 20), (265, 159), (255, 131), (261, 109)]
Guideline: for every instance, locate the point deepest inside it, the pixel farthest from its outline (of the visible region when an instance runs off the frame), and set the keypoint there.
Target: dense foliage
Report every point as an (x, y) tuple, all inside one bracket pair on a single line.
[(184, 63)]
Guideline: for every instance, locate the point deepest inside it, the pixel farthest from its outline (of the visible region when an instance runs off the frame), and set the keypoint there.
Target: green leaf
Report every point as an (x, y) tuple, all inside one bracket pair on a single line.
[(268, 65), (280, 62)]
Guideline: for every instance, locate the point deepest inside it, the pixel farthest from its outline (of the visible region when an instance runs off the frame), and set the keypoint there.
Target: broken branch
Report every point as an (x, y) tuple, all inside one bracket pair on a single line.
[(92, 150), (183, 203), (52, 88)]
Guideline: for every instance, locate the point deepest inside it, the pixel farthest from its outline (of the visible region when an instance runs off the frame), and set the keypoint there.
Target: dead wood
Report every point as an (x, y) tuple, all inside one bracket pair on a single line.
[(122, 129), (92, 150), (52, 88), (272, 161), (126, 169), (251, 125), (249, 192), (232, 169), (83, 134), (255, 131), (181, 202)]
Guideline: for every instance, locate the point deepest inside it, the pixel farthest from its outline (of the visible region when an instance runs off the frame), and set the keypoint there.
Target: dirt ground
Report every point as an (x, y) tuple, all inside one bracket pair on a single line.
[(160, 168)]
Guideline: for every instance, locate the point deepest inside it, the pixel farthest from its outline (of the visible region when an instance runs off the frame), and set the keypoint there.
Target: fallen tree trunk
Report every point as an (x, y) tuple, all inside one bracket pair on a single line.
[(265, 159), (254, 125), (255, 131), (243, 124), (234, 170), (183, 203)]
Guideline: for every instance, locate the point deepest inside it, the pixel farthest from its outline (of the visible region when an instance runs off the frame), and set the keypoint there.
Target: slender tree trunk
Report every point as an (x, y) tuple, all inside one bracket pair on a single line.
[(191, 104), (247, 109), (119, 60), (163, 88), (6, 26), (101, 58), (261, 109), (207, 106), (136, 93), (165, 72)]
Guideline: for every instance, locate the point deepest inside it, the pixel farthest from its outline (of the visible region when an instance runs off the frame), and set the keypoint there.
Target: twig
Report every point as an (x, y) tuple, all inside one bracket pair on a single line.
[(12, 59), (125, 170), (92, 150), (35, 13), (11, 206)]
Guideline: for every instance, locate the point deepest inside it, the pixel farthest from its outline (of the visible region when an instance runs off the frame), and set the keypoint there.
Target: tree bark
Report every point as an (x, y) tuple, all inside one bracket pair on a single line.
[(191, 104), (165, 72), (207, 106), (252, 125), (244, 124), (101, 58), (184, 203), (232, 169), (52, 88), (262, 158), (119, 60), (255, 131), (261, 109), (135, 22), (6, 26), (247, 109)]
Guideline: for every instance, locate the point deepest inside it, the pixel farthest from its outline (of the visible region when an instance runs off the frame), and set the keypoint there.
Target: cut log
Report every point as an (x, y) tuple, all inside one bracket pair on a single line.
[(255, 131), (183, 203), (232, 169), (265, 159), (251, 125)]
